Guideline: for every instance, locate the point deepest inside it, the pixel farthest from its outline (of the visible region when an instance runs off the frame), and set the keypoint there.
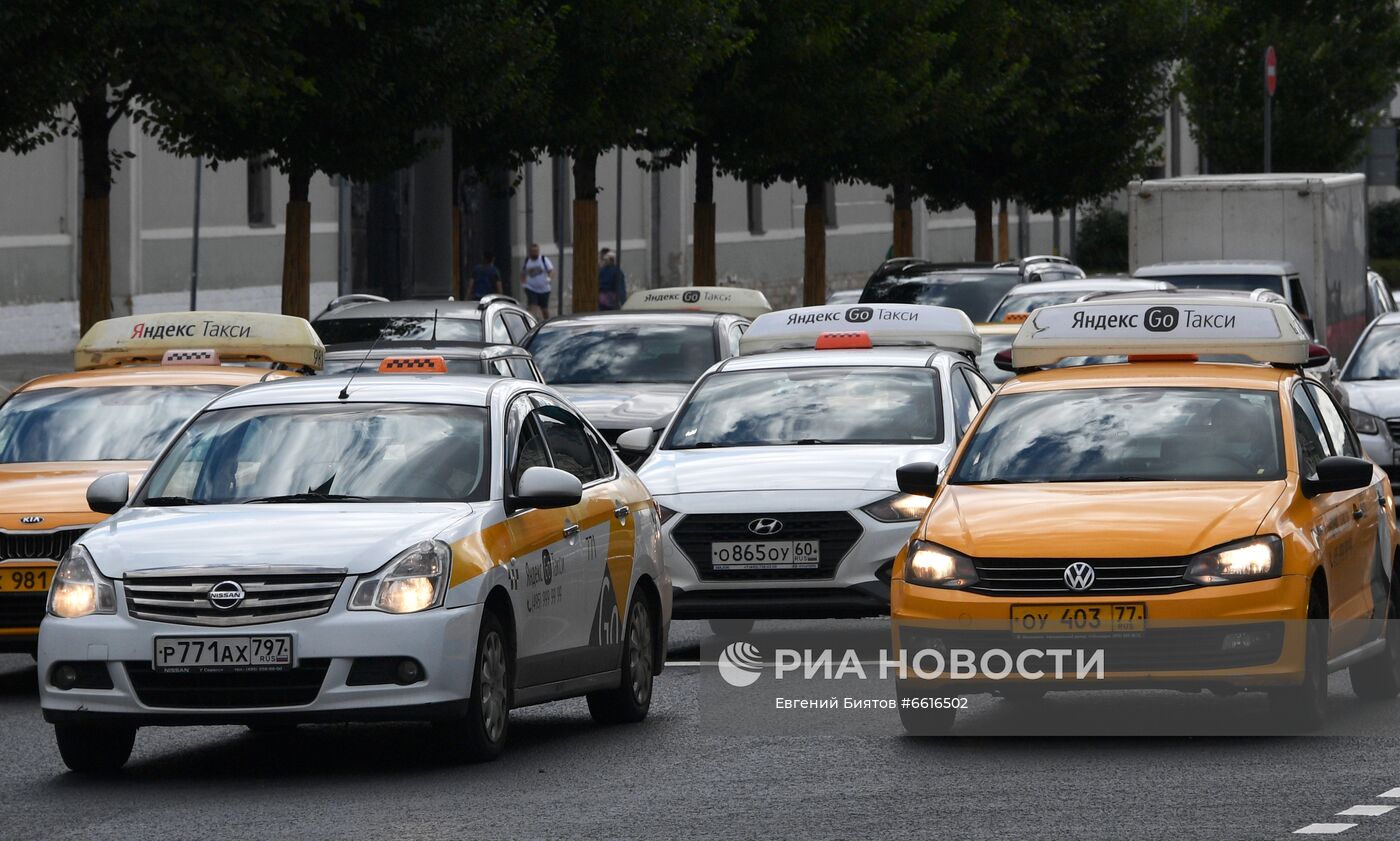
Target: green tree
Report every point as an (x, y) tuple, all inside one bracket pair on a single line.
[(1338, 65)]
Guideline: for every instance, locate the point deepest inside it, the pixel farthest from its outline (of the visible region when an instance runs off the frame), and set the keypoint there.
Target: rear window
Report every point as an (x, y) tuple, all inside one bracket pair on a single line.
[(975, 294), (335, 331), (1235, 282)]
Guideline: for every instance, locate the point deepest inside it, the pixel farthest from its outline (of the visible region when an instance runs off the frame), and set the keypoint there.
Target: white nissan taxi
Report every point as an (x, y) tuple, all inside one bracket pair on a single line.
[(776, 477), (409, 547)]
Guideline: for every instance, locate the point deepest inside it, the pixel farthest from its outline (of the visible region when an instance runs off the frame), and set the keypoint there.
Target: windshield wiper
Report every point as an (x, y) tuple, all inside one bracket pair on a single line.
[(173, 500), (308, 496)]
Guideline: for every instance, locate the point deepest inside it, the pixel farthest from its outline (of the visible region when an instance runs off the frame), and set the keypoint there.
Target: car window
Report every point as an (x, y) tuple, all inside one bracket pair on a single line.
[(527, 443), (964, 404), (521, 367), (1307, 427), (515, 326), (980, 390), (623, 352), (1338, 432), (601, 452), (502, 368), (96, 424), (498, 329), (1300, 300), (568, 442), (336, 331), (974, 293), (1377, 357)]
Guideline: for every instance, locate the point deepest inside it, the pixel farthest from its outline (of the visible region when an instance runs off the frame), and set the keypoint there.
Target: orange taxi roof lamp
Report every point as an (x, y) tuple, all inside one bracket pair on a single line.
[(413, 365), (847, 340), (1016, 317)]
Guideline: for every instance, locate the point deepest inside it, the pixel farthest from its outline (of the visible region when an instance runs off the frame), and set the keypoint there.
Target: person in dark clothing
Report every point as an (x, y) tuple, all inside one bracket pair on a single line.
[(486, 278), (612, 285)]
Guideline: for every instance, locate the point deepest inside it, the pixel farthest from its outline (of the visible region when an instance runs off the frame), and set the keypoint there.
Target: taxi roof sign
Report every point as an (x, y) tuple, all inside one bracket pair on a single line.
[(229, 336), (1175, 325), (750, 303), (888, 325)]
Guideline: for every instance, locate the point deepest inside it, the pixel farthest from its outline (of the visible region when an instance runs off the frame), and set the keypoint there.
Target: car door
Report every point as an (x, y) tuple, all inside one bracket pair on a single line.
[(964, 403), (1367, 573), (600, 558)]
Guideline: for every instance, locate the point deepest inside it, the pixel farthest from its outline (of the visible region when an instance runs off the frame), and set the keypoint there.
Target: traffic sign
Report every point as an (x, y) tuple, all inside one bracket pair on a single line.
[(1270, 71)]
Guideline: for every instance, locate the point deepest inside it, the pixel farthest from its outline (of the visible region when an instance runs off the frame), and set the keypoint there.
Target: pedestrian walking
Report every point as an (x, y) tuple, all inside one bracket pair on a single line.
[(486, 278), (537, 278), (612, 285)]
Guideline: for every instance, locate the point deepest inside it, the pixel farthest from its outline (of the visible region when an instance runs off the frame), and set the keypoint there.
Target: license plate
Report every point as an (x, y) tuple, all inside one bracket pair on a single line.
[(25, 579), (1128, 618), (779, 554), (218, 654)]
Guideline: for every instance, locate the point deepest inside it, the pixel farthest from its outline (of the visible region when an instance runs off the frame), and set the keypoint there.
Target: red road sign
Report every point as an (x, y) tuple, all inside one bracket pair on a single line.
[(1270, 71)]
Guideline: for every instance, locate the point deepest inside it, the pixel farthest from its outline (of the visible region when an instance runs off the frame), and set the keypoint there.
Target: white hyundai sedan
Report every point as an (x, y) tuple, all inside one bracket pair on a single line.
[(776, 478), (408, 547)]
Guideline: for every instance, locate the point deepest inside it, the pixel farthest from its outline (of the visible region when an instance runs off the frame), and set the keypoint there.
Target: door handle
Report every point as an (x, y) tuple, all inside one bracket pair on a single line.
[(1358, 512), (571, 530), (621, 512)]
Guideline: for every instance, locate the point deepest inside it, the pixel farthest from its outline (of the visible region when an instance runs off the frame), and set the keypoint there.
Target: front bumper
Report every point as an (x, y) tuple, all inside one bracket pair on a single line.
[(441, 640)]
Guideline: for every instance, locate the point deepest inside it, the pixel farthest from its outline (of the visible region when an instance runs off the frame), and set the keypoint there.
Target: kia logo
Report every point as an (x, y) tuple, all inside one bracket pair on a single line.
[(1079, 576), (226, 595), (691, 297), (31, 520), (1161, 319), (859, 315), (765, 526)]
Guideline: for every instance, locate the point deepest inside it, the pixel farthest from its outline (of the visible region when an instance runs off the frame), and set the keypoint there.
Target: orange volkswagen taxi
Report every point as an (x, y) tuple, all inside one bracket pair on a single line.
[(1190, 505), (137, 379)]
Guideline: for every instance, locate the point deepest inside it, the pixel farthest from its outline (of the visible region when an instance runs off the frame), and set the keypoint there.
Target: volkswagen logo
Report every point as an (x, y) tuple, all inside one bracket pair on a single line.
[(1079, 576), (859, 315), (31, 520), (226, 595), (765, 526), (691, 297)]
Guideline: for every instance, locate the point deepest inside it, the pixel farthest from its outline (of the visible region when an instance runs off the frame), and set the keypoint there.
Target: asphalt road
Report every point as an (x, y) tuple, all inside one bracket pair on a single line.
[(674, 777)]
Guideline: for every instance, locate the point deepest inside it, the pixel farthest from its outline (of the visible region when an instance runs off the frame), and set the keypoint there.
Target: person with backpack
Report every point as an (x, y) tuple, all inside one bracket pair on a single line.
[(537, 279), (612, 284)]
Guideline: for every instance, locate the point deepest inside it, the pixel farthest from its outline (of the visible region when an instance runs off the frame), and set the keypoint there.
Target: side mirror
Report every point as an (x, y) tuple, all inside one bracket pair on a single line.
[(546, 487), (919, 478), (1003, 361), (1318, 356), (636, 441), (108, 494), (1339, 473)]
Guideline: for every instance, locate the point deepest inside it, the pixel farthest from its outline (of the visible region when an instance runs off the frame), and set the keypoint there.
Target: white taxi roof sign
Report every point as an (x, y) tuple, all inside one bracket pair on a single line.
[(750, 303), (888, 325), (1259, 330), (231, 336)]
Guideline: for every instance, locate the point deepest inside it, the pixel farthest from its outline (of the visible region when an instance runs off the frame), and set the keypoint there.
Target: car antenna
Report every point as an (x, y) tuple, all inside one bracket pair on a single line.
[(435, 312), (345, 391)]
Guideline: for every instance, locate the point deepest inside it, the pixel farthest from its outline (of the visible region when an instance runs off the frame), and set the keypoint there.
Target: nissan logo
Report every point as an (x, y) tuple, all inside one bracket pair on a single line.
[(859, 315), (226, 595), (1161, 319), (1079, 576), (765, 526), (691, 297)]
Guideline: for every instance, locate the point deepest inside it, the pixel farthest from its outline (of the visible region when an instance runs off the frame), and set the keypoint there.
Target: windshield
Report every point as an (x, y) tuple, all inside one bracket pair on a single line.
[(812, 406), (118, 423), (1378, 355), (359, 451), (1236, 282), (1032, 301), (335, 331), (1126, 434), (623, 353), (987, 359), (974, 294)]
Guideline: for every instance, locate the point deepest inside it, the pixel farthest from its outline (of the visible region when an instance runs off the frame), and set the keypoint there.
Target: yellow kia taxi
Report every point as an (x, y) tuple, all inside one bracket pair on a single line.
[(1199, 524), (137, 379)]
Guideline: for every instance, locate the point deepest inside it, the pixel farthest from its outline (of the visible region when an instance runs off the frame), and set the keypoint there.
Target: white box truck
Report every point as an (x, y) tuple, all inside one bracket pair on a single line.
[(1301, 235)]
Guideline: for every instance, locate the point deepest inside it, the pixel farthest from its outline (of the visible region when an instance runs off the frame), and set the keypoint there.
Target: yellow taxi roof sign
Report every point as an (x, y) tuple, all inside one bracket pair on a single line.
[(888, 325), (750, 303), (1260, 330), (231, 336)]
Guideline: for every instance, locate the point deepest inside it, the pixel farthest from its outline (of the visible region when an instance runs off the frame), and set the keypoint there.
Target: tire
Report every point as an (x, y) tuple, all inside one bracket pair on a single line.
[(481, 735), (729, 628), (1378, 679), (1303, 708), (629, 702), (88, 749), (923, 722)]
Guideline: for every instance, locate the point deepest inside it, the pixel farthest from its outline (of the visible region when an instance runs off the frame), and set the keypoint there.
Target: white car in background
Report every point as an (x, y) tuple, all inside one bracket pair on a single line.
[(1371, 380)]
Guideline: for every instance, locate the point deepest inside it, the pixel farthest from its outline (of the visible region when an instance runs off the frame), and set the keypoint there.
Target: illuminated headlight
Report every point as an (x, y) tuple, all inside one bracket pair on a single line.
[(898, 508), (415, 580), (934, 566), (1247, 560), (79, 589), (1365, 424)]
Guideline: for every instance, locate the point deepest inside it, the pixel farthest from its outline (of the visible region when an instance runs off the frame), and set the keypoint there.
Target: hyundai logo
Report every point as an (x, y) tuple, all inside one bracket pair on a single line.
[(226, 595), (691, 297), (1079, 576), (765, 526), (859, 315), (31, 520)]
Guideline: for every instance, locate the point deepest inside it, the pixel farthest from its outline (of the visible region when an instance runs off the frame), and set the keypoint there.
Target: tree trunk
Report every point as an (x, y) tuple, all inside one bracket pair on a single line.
[(814, 255), (903, 218), (296, 246), (982, 213), (1003, 233), (95, 272), (703, 221), (586, 232)]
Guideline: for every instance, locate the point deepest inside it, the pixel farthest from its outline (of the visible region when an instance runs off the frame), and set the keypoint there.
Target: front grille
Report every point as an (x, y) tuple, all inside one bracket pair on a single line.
[(1112, 576), (227, 690), (52, 545), (1180, 649), (22, 610), (1393, 424), (184, 599), (837, 531)]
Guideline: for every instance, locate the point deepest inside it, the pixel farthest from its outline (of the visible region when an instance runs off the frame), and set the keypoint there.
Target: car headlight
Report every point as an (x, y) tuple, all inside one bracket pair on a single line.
[(79, 589), (1245, 560), (898, 508), (936, 566), (1365, 424), (663, 513), (414, 580)]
